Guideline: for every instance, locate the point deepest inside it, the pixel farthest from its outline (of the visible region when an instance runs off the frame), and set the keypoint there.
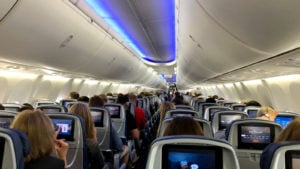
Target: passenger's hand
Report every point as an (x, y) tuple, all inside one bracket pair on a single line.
[(61, 149)]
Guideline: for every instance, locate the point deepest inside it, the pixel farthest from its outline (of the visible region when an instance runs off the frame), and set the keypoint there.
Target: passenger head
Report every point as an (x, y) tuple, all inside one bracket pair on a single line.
[(290, 133), (74, 95), (183, 125), (122, 99), (103, 97), (83, 110), (210, 100), (253, 103), (96, 101), (84, 99), (2, 107), (267, 113), (40, 131), (178, 100), (132, 97)]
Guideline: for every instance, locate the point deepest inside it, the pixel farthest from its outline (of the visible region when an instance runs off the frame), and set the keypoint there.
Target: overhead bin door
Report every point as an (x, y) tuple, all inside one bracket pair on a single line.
[(5, 7)]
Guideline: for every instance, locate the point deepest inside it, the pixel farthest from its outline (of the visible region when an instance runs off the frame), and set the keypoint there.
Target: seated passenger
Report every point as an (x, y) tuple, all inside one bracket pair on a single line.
[(94, 154), (291, 132), (183, 125), (42, 137), (267, 113)]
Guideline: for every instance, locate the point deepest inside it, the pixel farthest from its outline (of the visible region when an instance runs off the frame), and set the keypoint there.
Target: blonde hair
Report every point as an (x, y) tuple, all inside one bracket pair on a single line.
[(40, 131), (291, 132), (183, 125), (83, 110), (267, 112), (164, 107)]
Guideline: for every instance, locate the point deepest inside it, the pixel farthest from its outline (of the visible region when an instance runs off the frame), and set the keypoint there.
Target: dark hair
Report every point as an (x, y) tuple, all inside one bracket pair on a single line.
[(210, 100), (183, 125), (96, 101), (253, 103), (122, 99), (74, 95), (84, 99), (2, 107)]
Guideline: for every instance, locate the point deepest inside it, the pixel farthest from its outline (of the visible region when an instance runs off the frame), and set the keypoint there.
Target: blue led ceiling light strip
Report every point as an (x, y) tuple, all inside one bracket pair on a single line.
[(107, 14), (169, 80)]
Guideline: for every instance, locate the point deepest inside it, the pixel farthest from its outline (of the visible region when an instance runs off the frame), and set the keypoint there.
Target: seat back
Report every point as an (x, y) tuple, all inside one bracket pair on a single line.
[(181, 112), (249, 137), (43, 102), (284, 118), (205, 125), (282, 155), (6, 118), (12, 107), (118, 117), (14, 146), (64, 103), (184, 107), (222, 119), (191, 152), (210, 111), (204, 106), (103, 124), (251, 111), (51, 108), (73, 131), (238, 107)]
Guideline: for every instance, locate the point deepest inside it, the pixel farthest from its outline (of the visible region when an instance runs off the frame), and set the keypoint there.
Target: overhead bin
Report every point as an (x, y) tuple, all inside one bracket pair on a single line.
[(5, 7)]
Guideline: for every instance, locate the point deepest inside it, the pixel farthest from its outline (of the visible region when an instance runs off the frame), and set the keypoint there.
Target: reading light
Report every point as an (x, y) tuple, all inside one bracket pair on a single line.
[(104, 11)]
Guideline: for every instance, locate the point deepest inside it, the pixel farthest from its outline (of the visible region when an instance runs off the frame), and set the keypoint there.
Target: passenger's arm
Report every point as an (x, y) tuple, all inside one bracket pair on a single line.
[(61, 148)]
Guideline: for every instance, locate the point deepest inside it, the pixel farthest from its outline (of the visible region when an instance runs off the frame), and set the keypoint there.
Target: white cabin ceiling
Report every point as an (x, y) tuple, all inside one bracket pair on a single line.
[(216, 41)]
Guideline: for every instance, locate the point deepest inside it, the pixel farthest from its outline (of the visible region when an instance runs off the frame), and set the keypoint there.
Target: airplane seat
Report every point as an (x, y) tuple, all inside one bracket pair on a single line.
[(238, 107), (43, 102), (64, 103), (184, 151), (103, 125), (51, 108), (249, 137), (205, 125), (73, 131), (222, 119), (118, 117), (281, 155), (182, 112), (12, 107), (184, 107), (211, 110), (203, 106), (14, 146), (251, 111), (198, 103), (146, 107), (131, 109), (284, 118), (6, 118)]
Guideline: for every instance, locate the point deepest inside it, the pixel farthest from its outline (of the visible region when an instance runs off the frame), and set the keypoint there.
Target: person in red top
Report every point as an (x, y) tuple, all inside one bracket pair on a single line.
[(139, 113)]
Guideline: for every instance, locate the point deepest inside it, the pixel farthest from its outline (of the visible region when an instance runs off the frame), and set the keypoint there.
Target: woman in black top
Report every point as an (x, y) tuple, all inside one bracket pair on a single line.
[(42, 137)]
